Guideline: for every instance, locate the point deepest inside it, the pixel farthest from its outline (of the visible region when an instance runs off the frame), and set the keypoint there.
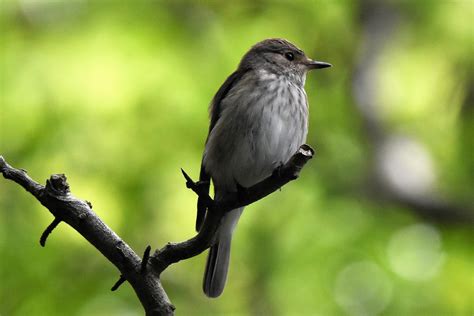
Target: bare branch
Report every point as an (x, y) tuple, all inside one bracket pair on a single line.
[(19, 176), (56, 198), (173, 253), (144, 274)]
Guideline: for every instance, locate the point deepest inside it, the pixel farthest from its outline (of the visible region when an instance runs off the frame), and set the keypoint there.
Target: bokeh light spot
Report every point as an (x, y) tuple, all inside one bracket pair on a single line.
[(415, 252), (362, 288), (406, 166)]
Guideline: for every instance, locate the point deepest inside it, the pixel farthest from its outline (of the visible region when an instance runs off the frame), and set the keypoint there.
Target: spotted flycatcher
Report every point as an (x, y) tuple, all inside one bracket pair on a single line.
[(259, 118)]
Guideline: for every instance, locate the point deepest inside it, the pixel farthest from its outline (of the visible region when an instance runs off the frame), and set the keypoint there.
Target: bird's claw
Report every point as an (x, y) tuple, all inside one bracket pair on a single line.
[(242, 191), (277, 170)]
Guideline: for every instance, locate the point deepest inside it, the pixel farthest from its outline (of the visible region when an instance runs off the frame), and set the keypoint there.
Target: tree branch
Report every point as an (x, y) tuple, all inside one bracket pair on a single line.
[(56, 198), (174, 252), (144, 276)]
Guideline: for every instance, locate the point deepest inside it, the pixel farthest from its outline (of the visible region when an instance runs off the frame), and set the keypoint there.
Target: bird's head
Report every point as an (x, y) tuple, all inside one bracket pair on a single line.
[(280, 57)]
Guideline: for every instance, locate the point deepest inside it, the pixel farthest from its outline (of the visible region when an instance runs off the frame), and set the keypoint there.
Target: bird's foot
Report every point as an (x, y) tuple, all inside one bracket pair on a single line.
[(277, 170), (242, 192)]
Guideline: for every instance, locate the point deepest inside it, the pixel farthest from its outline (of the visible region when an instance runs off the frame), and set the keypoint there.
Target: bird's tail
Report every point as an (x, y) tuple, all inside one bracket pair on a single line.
[(218, 258)]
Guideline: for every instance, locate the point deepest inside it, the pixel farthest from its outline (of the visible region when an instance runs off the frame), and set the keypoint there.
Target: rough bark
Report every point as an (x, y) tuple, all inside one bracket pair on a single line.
[(144, 275)]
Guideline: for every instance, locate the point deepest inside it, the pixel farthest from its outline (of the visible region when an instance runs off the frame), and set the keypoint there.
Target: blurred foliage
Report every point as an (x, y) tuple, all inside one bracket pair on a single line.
[(114, 94)]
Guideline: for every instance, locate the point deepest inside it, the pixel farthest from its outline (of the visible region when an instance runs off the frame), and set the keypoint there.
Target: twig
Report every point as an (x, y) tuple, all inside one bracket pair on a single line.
[(173, 253), (117, 284), (146, 257), (48, 231), (198, 188), (55, 196)]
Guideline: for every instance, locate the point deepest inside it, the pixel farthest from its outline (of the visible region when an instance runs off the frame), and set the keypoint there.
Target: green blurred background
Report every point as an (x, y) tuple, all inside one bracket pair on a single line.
[(114, 94)]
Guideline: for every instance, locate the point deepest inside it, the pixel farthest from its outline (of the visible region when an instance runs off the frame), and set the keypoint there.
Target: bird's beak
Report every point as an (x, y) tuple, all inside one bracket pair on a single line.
[(314, 64)]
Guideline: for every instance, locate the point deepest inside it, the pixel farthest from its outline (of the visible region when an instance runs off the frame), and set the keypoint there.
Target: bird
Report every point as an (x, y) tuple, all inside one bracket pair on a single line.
[(258, 120)]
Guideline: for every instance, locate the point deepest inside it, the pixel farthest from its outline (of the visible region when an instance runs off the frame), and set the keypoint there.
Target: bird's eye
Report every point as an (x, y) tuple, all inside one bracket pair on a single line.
[(289, 56)]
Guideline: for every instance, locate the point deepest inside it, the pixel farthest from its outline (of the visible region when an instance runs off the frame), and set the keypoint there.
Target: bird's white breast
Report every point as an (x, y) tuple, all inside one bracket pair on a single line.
[(262, 124)]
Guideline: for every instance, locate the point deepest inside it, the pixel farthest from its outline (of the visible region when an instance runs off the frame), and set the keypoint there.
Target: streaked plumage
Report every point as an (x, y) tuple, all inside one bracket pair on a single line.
[(259, 118)]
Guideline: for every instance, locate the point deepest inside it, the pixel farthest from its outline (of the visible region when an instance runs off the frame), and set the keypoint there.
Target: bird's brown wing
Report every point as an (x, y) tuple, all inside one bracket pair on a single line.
[(215, 111)]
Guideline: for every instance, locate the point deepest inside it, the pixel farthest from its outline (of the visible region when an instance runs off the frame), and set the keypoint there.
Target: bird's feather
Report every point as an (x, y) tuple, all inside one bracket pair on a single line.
[(214, 111)]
